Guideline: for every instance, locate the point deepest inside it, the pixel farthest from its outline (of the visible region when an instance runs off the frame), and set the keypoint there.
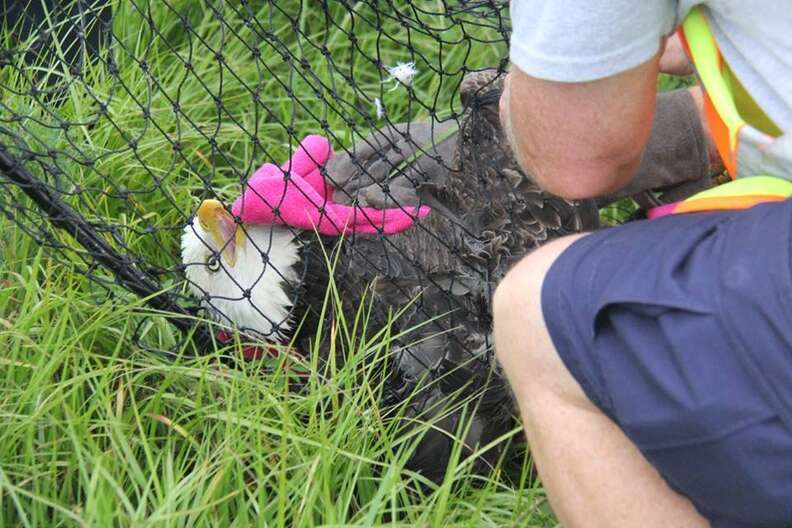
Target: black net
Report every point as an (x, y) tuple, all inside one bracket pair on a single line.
[(117, 119), (128, 129)]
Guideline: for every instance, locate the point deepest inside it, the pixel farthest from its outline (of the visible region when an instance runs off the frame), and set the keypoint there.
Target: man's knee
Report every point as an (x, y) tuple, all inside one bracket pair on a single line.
[(522, 342), (516, 305)]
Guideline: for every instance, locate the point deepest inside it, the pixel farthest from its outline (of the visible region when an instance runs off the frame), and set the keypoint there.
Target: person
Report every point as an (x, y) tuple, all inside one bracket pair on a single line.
[(651, 362)]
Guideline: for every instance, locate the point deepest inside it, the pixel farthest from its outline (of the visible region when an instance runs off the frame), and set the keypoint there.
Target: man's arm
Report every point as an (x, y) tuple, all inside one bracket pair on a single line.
[(581, 139)]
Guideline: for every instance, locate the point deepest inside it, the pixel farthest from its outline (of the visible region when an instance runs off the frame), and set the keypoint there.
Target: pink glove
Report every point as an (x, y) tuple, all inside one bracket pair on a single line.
[(297, 195)]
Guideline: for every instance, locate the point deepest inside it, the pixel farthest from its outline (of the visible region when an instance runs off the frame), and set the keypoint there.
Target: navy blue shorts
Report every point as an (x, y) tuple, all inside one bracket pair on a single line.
[(680, 330)]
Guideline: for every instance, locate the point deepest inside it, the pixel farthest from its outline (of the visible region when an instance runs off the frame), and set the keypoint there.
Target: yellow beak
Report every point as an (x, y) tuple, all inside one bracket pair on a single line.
[(227, 236)]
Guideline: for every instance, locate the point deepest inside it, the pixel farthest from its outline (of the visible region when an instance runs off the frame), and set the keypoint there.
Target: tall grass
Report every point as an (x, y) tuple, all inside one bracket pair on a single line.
[(97, 433)]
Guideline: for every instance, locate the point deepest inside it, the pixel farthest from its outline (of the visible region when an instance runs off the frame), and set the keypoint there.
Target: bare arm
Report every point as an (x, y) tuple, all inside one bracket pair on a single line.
[(582, 139)]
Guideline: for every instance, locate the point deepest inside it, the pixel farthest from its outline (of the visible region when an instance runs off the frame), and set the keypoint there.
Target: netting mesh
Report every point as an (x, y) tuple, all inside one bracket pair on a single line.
[(124, 116), (120, 121)]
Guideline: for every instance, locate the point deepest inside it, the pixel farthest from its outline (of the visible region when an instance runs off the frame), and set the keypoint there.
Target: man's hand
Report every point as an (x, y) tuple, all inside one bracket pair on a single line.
[(580, 140)]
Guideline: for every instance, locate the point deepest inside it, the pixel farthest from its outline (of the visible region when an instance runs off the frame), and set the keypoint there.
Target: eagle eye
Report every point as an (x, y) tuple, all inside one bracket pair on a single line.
[(213, 263)]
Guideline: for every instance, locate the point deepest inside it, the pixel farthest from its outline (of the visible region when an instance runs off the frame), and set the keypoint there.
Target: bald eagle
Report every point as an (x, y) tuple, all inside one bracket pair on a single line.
[(268, 279)]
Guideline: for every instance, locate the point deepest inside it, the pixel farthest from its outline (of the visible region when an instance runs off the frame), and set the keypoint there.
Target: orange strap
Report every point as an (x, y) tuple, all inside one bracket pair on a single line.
[(718, 129), (725, 126)]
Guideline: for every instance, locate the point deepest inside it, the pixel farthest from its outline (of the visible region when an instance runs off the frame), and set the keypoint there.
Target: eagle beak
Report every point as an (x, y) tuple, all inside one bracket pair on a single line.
[(227, 236)]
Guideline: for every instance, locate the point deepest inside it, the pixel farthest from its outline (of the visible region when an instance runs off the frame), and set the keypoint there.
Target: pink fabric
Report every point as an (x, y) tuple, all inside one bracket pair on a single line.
[(249, 352), (661, 211), (297, 195)]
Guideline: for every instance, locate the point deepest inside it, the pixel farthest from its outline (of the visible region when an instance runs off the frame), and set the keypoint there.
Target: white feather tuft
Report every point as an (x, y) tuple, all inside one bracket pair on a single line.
[(404, 72), (378, 107)]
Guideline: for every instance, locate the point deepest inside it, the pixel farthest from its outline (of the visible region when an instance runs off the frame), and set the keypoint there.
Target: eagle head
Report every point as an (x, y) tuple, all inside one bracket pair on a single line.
[(243, 273)]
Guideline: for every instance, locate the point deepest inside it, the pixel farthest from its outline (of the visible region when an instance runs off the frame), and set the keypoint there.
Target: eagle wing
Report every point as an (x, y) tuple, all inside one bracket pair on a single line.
[(437, 278), (486, 212)]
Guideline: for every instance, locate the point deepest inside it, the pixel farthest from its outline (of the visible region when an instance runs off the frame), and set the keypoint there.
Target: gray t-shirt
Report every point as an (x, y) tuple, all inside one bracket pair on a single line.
[(582, 40)]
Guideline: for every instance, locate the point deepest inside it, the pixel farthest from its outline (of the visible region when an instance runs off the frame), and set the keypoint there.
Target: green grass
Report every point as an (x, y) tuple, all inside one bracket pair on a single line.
[(99, 432)]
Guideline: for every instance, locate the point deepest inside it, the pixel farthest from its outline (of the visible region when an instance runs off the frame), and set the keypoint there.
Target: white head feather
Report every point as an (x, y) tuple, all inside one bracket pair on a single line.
[(241, 273)]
